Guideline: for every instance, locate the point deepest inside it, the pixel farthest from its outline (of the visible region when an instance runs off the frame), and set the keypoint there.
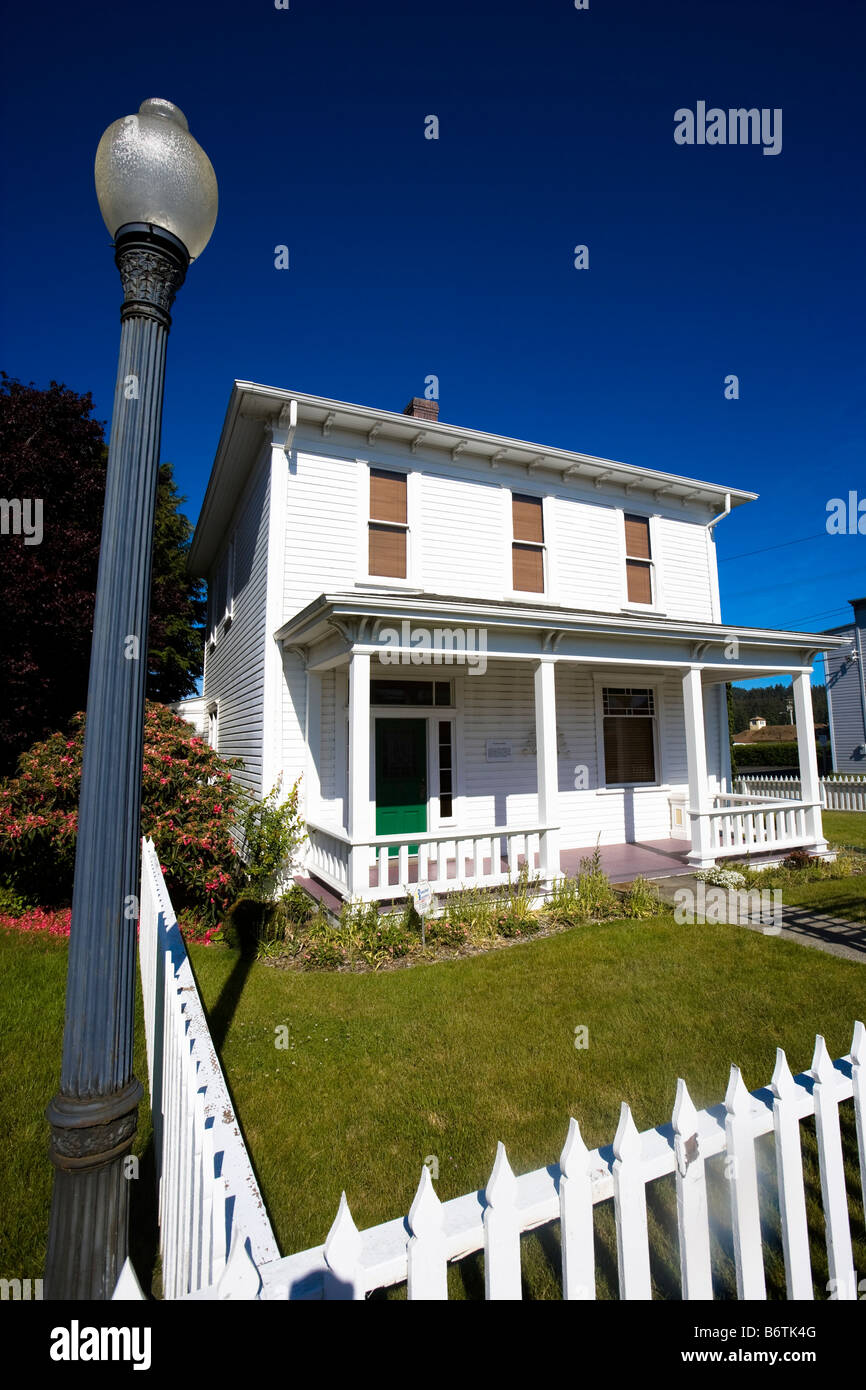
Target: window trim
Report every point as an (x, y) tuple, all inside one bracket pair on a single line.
[(412, 527), (628, 605), (547, 595), (616, 681), (213, 725)]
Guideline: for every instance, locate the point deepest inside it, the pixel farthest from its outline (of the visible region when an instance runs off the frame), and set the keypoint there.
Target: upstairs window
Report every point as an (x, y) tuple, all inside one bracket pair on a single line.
[(527, 550), (388, 524), (629, 736), (638, 562)]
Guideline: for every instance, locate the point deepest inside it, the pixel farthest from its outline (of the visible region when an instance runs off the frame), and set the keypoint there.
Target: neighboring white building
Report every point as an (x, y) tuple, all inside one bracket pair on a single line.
[(477, 649)]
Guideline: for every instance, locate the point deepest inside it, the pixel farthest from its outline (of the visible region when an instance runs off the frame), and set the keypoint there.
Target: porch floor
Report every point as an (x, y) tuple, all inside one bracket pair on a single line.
[(621, 863)]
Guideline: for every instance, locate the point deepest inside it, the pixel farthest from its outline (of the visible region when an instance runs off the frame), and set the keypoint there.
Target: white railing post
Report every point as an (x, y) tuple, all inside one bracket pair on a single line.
[(789, 1171), (810, 782), (632, 1236), (360, 821), (703, 827), (547, 764), (692, 1212), (840, 1257)]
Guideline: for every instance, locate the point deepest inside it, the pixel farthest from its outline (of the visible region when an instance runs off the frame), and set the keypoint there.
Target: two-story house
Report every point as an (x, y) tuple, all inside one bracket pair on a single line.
[(846, 692), (479, 652)]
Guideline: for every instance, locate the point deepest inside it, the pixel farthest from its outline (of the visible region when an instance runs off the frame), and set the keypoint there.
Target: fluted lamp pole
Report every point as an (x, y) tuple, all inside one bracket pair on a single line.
[(158, 196)]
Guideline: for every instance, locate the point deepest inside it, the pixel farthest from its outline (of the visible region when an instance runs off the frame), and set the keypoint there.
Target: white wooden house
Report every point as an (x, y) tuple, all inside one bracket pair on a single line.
[(477, 651)]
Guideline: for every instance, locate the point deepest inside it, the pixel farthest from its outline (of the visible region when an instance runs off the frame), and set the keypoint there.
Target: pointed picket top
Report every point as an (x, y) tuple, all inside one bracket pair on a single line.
[(626, 1141), (128, 1288), (822, 1063), (858, 1045), (737, 1099), (501, 1190), (574, 1159), (685, 1117), (240, 1278), (343, 1243), (425, 1213), (783, 1085)]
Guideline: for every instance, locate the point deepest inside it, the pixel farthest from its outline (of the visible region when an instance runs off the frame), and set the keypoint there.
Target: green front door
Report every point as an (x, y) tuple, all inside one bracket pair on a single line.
[(401, 777)]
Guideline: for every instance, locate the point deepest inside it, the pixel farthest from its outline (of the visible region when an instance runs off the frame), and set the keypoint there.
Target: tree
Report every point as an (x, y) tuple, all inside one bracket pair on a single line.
[(52, 470), (177, 603)]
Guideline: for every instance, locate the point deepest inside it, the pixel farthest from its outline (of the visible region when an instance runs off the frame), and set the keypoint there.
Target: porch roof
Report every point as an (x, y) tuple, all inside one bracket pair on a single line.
[(336, 623)]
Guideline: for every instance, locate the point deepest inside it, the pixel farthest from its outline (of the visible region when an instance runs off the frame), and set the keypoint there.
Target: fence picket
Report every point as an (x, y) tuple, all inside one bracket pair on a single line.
[(840, 1257), (343, 1258), (501, 1232), (858, 1082), (427, 1266), (692, 1214), (632, 1236), (789, 1171), (575, 1217), (742, 1173)]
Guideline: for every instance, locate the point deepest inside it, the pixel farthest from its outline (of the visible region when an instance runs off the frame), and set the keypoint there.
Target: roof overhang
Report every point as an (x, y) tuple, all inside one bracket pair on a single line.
[(337, 623), (252, 407)]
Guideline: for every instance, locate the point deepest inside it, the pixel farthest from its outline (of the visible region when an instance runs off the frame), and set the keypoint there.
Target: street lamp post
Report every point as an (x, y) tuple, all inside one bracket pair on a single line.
[(158, 196)]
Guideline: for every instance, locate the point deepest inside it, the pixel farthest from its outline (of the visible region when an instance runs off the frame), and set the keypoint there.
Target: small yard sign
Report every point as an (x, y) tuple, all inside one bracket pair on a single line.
[(498, 750), (422, 899)]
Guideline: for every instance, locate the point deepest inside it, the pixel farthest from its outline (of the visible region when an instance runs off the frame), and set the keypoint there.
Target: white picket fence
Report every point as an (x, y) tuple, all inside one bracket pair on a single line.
[(837, 793), (217, 1242), (209, 1200)]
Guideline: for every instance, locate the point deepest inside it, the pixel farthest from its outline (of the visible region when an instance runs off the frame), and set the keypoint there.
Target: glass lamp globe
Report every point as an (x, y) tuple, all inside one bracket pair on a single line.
[(150, 169)]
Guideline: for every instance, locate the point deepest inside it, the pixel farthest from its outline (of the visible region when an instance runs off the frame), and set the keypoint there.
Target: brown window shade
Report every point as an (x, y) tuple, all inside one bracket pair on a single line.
[(528, 568), (526, 515), (387, 496), (637, 541), (388, 551), (640, 588), (628, 749)]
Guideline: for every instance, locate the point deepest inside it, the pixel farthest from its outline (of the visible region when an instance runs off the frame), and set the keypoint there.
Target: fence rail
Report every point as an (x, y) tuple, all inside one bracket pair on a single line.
[(217, 1242), (837, 793)]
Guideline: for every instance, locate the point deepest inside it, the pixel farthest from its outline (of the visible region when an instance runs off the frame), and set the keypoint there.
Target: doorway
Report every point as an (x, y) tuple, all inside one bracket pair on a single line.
[(401, 777)]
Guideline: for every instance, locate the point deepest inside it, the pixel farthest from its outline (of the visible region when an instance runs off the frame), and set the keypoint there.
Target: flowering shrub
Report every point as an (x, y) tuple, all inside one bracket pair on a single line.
[(37, 919), (722, 878), (188, 806)]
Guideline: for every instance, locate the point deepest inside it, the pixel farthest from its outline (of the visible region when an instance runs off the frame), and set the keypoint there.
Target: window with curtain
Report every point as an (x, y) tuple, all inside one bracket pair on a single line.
[(639, 562), (527, 549), (388, 524), (629, 735)]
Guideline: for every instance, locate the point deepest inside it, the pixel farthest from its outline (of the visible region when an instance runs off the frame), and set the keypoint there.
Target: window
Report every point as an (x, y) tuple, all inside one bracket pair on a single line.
[(409, 692), (446, 771), (527, 550), (638, 562), (388, 525), (629, 736), (222, 593), (212, 727)]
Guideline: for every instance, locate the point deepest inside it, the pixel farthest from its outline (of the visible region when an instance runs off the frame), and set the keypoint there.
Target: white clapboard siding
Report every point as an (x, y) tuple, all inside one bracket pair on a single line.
[(217, 1243)]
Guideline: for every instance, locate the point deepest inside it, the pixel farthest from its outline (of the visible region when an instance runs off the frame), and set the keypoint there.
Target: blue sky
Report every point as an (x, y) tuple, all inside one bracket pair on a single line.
[(455, 257)]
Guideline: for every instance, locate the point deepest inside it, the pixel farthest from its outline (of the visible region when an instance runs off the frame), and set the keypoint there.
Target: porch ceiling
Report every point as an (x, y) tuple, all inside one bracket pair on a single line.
[(333, 625)]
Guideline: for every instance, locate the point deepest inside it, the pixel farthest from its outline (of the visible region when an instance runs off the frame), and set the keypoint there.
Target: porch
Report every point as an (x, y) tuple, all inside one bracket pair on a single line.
[(529, 741)]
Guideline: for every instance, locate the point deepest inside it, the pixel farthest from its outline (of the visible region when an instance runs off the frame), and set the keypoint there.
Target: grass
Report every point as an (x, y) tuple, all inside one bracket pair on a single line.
[(385, 1069), (845, 828), (33, 969)]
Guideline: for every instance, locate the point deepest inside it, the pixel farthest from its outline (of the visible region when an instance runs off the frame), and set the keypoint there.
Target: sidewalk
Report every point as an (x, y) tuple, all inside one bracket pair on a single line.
[(836, 935)]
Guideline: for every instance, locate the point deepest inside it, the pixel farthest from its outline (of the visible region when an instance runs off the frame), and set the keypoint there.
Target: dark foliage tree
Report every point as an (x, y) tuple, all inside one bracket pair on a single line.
[(52, 464)]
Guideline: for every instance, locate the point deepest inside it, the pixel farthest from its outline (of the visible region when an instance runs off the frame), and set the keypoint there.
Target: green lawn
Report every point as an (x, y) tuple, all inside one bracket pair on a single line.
[(33, 972), (844, 897), (385, 1069), (845, 828), (444, 1059)]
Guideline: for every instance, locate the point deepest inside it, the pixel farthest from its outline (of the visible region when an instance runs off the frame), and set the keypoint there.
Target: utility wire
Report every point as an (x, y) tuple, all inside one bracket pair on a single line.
[(746, 553)]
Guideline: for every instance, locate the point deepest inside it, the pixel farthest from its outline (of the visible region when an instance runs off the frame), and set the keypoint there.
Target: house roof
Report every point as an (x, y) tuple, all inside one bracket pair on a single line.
[(252, 406)]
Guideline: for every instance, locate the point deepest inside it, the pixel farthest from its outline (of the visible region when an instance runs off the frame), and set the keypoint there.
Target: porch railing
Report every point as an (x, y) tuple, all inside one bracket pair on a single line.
[(740, 823), (369, 870)]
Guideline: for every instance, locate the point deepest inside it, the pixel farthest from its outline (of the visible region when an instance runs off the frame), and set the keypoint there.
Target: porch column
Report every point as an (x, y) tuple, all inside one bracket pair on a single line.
[(360, 823), (313, 798), (548, 771), (810, 782), (701, 854)]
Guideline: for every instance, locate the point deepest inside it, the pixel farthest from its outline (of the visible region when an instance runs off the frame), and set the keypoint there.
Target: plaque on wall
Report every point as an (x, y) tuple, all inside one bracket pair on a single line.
[(498, 751)]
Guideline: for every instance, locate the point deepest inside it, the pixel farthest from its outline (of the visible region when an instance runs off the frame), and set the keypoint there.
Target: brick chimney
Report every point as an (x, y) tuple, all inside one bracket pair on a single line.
[(421, 409)]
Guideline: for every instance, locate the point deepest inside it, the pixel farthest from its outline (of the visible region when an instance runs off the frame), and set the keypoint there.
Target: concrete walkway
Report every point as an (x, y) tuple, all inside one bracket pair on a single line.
[(836, 935)]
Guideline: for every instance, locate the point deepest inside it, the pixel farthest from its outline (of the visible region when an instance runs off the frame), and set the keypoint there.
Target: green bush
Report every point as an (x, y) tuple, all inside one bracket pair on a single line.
[(189, 799), (641, 899), (271, 833)]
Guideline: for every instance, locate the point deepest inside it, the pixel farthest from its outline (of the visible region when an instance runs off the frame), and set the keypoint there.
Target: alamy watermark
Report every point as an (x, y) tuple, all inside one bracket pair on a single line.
[(714, 126), (22, 517), (438, 646), (710, 903)]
